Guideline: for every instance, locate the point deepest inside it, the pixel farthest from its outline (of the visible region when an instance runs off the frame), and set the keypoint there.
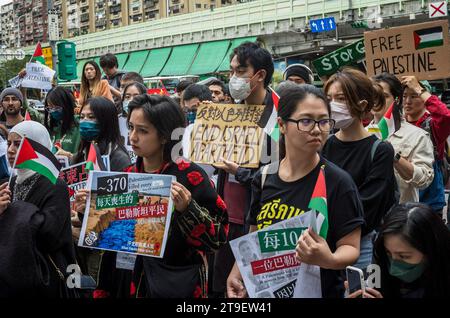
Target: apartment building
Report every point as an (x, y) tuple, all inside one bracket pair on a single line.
[(24, 22), (87, 16), (7, 25)]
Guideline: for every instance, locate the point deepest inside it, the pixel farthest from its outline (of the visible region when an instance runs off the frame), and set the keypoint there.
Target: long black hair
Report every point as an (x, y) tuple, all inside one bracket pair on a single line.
[(140, 87), (396, 89), (290, 97), (106, 115), (165, 115), (62, 97), (424, 230)]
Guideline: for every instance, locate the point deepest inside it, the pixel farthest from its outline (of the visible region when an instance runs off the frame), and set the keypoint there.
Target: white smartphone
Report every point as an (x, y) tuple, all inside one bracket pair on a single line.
[(355, 279)]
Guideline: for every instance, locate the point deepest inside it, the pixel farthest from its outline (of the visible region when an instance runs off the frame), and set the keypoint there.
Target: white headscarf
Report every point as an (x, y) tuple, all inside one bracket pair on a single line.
[(36, 132)]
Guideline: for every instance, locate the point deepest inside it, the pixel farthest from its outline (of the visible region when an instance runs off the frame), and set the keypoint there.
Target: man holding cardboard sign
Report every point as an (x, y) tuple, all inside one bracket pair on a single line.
[(251, 69), (421, 50)]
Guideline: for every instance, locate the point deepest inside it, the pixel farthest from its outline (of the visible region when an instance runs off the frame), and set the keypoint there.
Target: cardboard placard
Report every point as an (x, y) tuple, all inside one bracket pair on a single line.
[(230, 132), (332, 62), (422, 50)]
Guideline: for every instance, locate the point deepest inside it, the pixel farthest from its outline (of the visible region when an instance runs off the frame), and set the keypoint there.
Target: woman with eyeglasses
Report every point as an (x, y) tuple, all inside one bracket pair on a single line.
[(60, 121), (369, 161), (285, 189)]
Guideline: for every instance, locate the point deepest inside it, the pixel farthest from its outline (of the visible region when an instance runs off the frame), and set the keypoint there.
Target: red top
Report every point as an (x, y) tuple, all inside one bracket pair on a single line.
[(440, 122)]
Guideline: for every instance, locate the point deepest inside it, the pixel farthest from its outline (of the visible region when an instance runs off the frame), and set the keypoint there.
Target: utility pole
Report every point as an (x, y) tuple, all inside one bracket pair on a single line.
[(53, 32)]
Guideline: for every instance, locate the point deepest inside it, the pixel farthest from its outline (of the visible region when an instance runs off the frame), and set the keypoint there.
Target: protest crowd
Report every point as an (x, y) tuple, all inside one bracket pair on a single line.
[(361, 161)]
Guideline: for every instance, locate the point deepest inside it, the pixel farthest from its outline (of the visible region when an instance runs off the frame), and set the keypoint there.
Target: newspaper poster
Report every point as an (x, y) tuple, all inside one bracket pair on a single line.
[(229, 132), (127, 212), (38, 76), (76, 177), (267, 261)]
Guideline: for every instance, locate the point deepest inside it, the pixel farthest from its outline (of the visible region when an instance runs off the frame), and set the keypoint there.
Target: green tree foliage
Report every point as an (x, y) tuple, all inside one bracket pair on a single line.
[(9, 69)]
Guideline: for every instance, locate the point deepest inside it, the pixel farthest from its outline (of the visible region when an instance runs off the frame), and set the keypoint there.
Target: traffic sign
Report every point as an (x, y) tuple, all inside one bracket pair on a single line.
[(438, 9), (322, 25), (47, 52), (53, 28)]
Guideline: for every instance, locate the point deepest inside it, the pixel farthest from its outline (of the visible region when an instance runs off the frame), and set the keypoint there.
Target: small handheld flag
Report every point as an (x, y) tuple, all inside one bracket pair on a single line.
[(34, 156), (94, 159), (272, 128)]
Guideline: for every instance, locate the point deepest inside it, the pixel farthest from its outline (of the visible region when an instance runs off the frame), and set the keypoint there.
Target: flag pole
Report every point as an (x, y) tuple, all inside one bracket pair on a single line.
[(15, 159)]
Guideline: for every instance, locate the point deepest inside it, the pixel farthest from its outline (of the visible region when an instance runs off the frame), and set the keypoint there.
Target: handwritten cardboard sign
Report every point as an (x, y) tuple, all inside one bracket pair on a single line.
[(421, 49), (38, 76), (229, 132)]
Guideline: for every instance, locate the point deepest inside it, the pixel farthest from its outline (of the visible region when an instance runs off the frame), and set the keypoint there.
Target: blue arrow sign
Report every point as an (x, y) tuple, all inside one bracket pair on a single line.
[(322, 25)]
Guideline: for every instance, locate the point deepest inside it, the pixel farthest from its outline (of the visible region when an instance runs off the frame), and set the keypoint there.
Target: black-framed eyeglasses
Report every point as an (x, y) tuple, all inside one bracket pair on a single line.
[(308, 124)]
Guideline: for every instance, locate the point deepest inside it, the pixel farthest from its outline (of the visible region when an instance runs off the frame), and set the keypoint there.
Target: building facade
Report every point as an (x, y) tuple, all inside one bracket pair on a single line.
[(7, 25), (80, 17)]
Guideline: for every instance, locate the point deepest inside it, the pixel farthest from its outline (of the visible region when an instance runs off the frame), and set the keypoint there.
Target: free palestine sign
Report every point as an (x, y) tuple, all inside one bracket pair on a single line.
[(422, 50)]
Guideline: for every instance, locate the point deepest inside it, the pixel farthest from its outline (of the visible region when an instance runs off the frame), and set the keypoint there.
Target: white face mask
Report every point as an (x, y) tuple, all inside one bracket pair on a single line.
[(240, 88), (340, 113)]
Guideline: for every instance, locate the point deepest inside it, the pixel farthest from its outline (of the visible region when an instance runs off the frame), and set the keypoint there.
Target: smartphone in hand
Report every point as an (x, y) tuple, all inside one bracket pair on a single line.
[(355, 279)]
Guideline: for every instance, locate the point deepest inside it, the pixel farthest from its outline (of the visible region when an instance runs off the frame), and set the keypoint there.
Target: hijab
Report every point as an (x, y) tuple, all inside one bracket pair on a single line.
[(36, 132)]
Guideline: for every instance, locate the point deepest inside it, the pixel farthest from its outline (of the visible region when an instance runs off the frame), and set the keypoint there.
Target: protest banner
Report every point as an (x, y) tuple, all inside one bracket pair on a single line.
[(421, 50), (229, 132), (38, 76), (76, 176), (16, 81), (127, 212), (347, 55), (267, 261)]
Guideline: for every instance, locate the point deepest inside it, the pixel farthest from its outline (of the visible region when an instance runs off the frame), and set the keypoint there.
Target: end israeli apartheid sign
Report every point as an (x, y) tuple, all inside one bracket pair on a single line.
[(422, 50), (330, 63), (38, 76), (229, 132)]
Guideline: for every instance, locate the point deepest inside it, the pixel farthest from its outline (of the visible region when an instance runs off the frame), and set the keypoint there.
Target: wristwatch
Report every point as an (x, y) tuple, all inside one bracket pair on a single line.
[(397, 157)]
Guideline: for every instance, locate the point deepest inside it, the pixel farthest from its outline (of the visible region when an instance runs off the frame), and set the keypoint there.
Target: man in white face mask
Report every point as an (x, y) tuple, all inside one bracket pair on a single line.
[(251, 69)]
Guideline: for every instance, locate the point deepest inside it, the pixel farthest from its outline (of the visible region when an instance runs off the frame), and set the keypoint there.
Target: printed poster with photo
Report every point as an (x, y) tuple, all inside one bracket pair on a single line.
[(267, 261), (127, 212), (76, 176)]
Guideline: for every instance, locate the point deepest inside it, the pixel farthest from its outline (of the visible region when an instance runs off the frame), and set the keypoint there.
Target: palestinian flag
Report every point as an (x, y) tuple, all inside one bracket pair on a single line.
[(34, 156), (38, 56), (94, 160), (426, 38), (387, 124), (272, 128), (27, 115), (319, 202)]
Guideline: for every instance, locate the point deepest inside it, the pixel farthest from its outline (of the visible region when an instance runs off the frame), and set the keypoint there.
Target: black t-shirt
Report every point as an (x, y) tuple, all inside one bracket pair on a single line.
[(280, 200), (375, 179)]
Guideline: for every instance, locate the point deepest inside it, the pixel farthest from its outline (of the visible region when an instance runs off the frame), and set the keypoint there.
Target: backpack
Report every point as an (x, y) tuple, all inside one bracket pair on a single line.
[(444, 164)]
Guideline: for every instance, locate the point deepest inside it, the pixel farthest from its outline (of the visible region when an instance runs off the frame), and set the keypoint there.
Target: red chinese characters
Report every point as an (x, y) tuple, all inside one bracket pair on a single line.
[(274, 264)]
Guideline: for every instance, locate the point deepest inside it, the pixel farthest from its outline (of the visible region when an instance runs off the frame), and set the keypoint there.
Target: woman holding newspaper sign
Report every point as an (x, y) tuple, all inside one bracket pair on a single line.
[(286, 189), (99, 125), (200, 222)]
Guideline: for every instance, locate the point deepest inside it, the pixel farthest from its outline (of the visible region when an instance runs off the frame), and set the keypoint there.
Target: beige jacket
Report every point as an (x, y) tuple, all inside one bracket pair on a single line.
[(413, 144)]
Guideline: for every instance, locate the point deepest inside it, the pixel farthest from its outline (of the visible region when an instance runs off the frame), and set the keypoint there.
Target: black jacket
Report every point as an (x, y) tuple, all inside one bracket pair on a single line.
[(32, 233)]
